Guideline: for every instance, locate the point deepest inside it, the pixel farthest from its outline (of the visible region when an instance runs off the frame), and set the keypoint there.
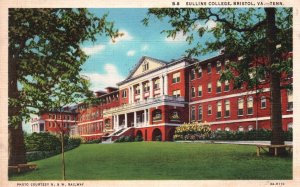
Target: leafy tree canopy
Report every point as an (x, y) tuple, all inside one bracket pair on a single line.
[(45, 56), (236, 31)]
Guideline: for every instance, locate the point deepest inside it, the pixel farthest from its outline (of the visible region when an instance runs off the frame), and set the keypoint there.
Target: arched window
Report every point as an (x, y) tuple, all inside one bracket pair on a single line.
[(227, 129), (241, 129)]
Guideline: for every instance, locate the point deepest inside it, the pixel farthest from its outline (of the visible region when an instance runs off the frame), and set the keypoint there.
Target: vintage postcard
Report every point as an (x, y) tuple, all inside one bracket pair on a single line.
[(130, 93)]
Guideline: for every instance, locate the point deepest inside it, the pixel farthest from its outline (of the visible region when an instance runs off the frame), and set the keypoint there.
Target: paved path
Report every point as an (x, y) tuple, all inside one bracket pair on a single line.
[(235, 142)]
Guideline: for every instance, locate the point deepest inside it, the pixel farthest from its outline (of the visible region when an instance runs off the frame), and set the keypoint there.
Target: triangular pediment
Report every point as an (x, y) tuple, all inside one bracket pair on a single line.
[(145, 65)]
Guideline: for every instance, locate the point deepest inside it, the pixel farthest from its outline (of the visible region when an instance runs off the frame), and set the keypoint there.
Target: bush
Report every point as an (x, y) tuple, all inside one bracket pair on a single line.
[(94, 141), (42, 142), (44, 145), (125, 139), (192, 131), (138, 139)]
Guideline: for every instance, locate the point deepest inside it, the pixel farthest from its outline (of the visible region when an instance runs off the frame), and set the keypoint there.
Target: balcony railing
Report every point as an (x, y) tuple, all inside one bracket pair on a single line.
[(164, 98)]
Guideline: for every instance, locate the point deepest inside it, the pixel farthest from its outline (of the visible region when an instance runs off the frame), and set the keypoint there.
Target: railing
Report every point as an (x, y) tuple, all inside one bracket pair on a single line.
[(164, 98)]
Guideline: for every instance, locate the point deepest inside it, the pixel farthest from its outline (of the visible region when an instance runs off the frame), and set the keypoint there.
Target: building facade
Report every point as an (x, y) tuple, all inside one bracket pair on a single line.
[(158, 96)]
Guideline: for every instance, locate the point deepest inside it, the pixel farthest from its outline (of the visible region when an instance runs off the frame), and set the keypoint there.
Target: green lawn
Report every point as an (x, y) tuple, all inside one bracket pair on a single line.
[(162, 160)]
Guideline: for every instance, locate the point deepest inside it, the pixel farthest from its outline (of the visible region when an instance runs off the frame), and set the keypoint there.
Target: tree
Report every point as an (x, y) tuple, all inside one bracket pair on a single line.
[(44, 49), (64, 94), (260, 35)]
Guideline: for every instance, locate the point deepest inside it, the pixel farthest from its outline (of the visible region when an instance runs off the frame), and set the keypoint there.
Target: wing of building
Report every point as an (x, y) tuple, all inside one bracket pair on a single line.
[(158, 96)]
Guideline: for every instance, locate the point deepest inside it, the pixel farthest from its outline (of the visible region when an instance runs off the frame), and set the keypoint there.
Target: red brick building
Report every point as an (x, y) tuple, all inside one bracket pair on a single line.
[(158, 96)]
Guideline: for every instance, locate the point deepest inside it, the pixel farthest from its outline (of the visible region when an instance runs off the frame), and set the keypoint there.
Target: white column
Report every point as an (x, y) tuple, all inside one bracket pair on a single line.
[(142, 92), (126, 125), (166, 85), (129, 94), (161, 85), (149, 116), (117, 121), (134, 118), (151, 88), (132, 94), (145, 117)]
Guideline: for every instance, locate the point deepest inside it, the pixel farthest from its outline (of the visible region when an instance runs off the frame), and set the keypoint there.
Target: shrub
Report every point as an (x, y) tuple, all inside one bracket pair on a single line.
[(94, 141), (138, 139), (192, 131), (42, 142), (125, 139)]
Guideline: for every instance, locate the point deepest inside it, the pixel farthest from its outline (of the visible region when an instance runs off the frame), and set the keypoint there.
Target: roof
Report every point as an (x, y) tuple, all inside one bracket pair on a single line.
[(137, 65)]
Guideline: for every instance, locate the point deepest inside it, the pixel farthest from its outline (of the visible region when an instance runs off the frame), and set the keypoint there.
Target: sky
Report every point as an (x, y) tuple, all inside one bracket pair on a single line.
[(110, 63)]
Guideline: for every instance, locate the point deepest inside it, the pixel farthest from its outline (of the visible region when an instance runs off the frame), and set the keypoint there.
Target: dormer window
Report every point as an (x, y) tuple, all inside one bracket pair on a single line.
[(145, 66)]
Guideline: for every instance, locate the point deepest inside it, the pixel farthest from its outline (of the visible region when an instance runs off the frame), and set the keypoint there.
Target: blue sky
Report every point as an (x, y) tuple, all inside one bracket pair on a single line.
[(110, 63)]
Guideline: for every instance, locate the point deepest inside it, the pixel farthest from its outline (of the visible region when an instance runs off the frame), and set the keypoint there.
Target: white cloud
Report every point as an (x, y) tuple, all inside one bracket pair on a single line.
[(110, 77), (126, 37), (93, 49), (210, 24), (145, 47), (180, 37), (131, 53)]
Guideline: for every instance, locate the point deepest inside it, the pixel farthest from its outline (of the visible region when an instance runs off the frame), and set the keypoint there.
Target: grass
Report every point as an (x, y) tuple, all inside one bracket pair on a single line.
[(162, 160)]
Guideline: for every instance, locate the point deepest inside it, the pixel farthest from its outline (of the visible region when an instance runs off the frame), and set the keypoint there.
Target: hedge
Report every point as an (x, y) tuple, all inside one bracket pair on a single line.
[(44, 145)]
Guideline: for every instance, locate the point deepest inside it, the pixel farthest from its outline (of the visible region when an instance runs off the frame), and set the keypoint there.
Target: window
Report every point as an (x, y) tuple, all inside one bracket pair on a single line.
[(200, 91), (219, 67), (209, 110), (263, 102), (193, 74), (241, 129), (199, 72), (219, 109), (209, 87), (193, 113), (176, 77), (200, 112), (219, 87), (137, 90), (124, 94), (146, 87), (176, 93), (193, 92), (250, 127), (227, 108), (226, 89), (157, 115), (209, 68), (219, 129), (156, 84), (290, 100), (240, 107), (250, 105), (227, 129), (145, 66)]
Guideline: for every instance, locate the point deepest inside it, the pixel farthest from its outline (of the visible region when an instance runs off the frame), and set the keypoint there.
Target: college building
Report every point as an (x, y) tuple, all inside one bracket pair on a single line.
[(157, 96)]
